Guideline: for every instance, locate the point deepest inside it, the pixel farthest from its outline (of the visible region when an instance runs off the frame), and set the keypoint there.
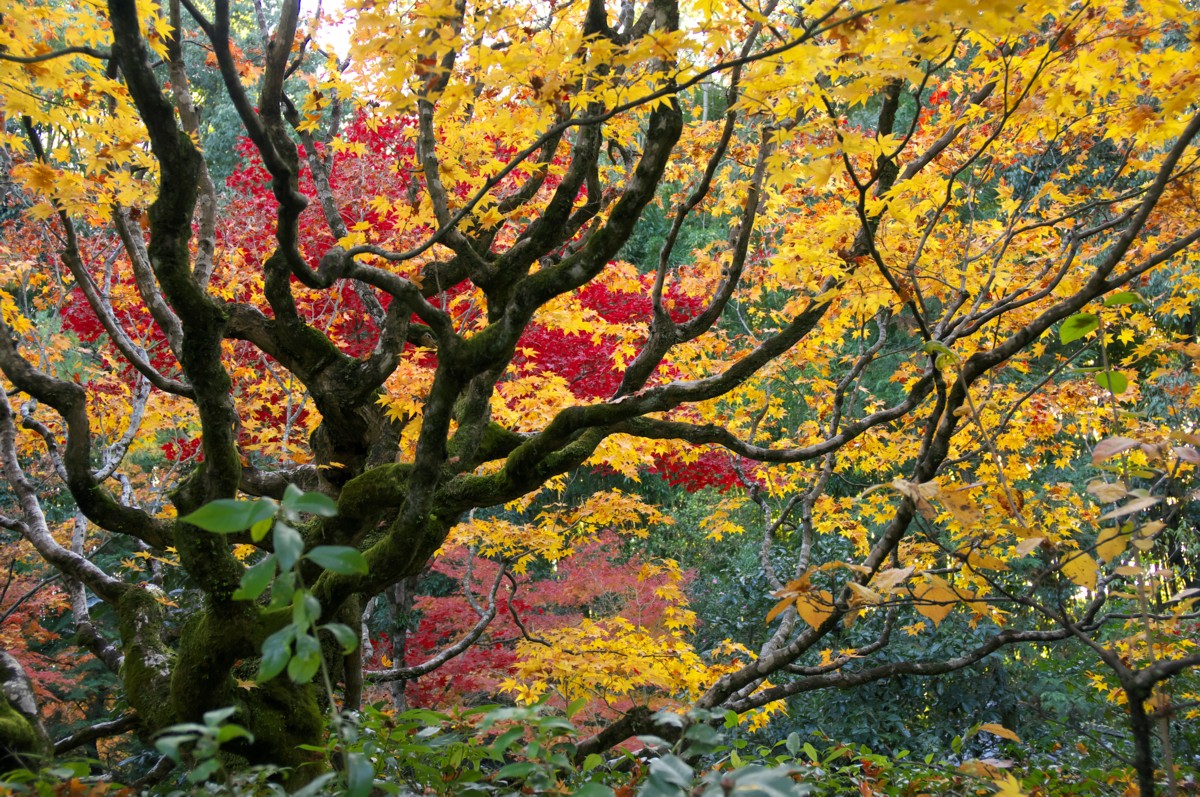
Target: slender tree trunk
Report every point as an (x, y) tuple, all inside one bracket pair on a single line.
[(1143, 735), (1164, 735), (401, 599)]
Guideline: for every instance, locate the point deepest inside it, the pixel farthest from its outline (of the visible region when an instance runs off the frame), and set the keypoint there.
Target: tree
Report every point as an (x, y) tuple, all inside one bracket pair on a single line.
[(915, 194)]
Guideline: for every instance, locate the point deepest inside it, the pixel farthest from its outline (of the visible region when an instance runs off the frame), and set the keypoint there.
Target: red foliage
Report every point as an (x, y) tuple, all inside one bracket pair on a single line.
[(376, 159), (597, 580)]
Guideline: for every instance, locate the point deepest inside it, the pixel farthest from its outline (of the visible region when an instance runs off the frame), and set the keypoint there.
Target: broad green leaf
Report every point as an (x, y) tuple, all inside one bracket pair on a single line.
[(520, 769), (282, 590), (1123, 297), (575, 706), (343, 634), (360, 775), (593, 790), (319, 787), (227, 733), (259, 530), (945, 355), (169, 745), (1077, 326), (341, 559), (202, 771), (1113, 381), (701, 732), (227, 515), (936, 346), (289, 546), (255, 580), (214, 718), (315, 504), (775, 782), (592, 761), (306, 661), (305, 609), (291, 494), (276, 652), (505, 741), (673, 770), (792, 743)]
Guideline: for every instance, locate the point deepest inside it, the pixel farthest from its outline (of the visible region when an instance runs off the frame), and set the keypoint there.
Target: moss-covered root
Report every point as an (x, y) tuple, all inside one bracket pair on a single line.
[(23, 739)]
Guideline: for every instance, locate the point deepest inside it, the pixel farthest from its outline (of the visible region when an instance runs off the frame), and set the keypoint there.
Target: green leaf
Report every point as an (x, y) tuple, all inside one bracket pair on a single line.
[(291, 494), (777, 782), (202, 771), (317, 788), (673, 770), (315, 504), (276, 652), (1077, 326), (305, 609), (360, 775), (70, 769), (593, 790), (341, 559), (218, 715), (592, 761), (289, 546), (519, 770), (936, 347), (505, 741), (1113, 381), (282, 590), (701, 732), (793, 743), (255, 580), (227, 733), (227, 515), (296, 502), (1124, 297), (575, 706), (343, 634), (306, 661), (169, 745), (259, 530)]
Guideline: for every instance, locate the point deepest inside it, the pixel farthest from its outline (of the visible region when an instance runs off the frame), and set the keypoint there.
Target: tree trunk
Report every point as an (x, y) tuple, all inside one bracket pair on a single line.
[(23, 739), (1143, 736)]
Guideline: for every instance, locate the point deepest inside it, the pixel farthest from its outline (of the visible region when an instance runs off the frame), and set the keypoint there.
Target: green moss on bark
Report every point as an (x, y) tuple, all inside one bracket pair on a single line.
[(146, 673), (283, 716), (20, 745), (378, 489)]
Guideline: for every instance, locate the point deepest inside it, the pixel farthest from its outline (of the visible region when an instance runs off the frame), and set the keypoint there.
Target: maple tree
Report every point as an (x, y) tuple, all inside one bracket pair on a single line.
[(920, 219)]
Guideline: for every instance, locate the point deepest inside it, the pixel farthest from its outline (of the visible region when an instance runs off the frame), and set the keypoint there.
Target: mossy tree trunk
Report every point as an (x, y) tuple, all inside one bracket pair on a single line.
[(23, 739)]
